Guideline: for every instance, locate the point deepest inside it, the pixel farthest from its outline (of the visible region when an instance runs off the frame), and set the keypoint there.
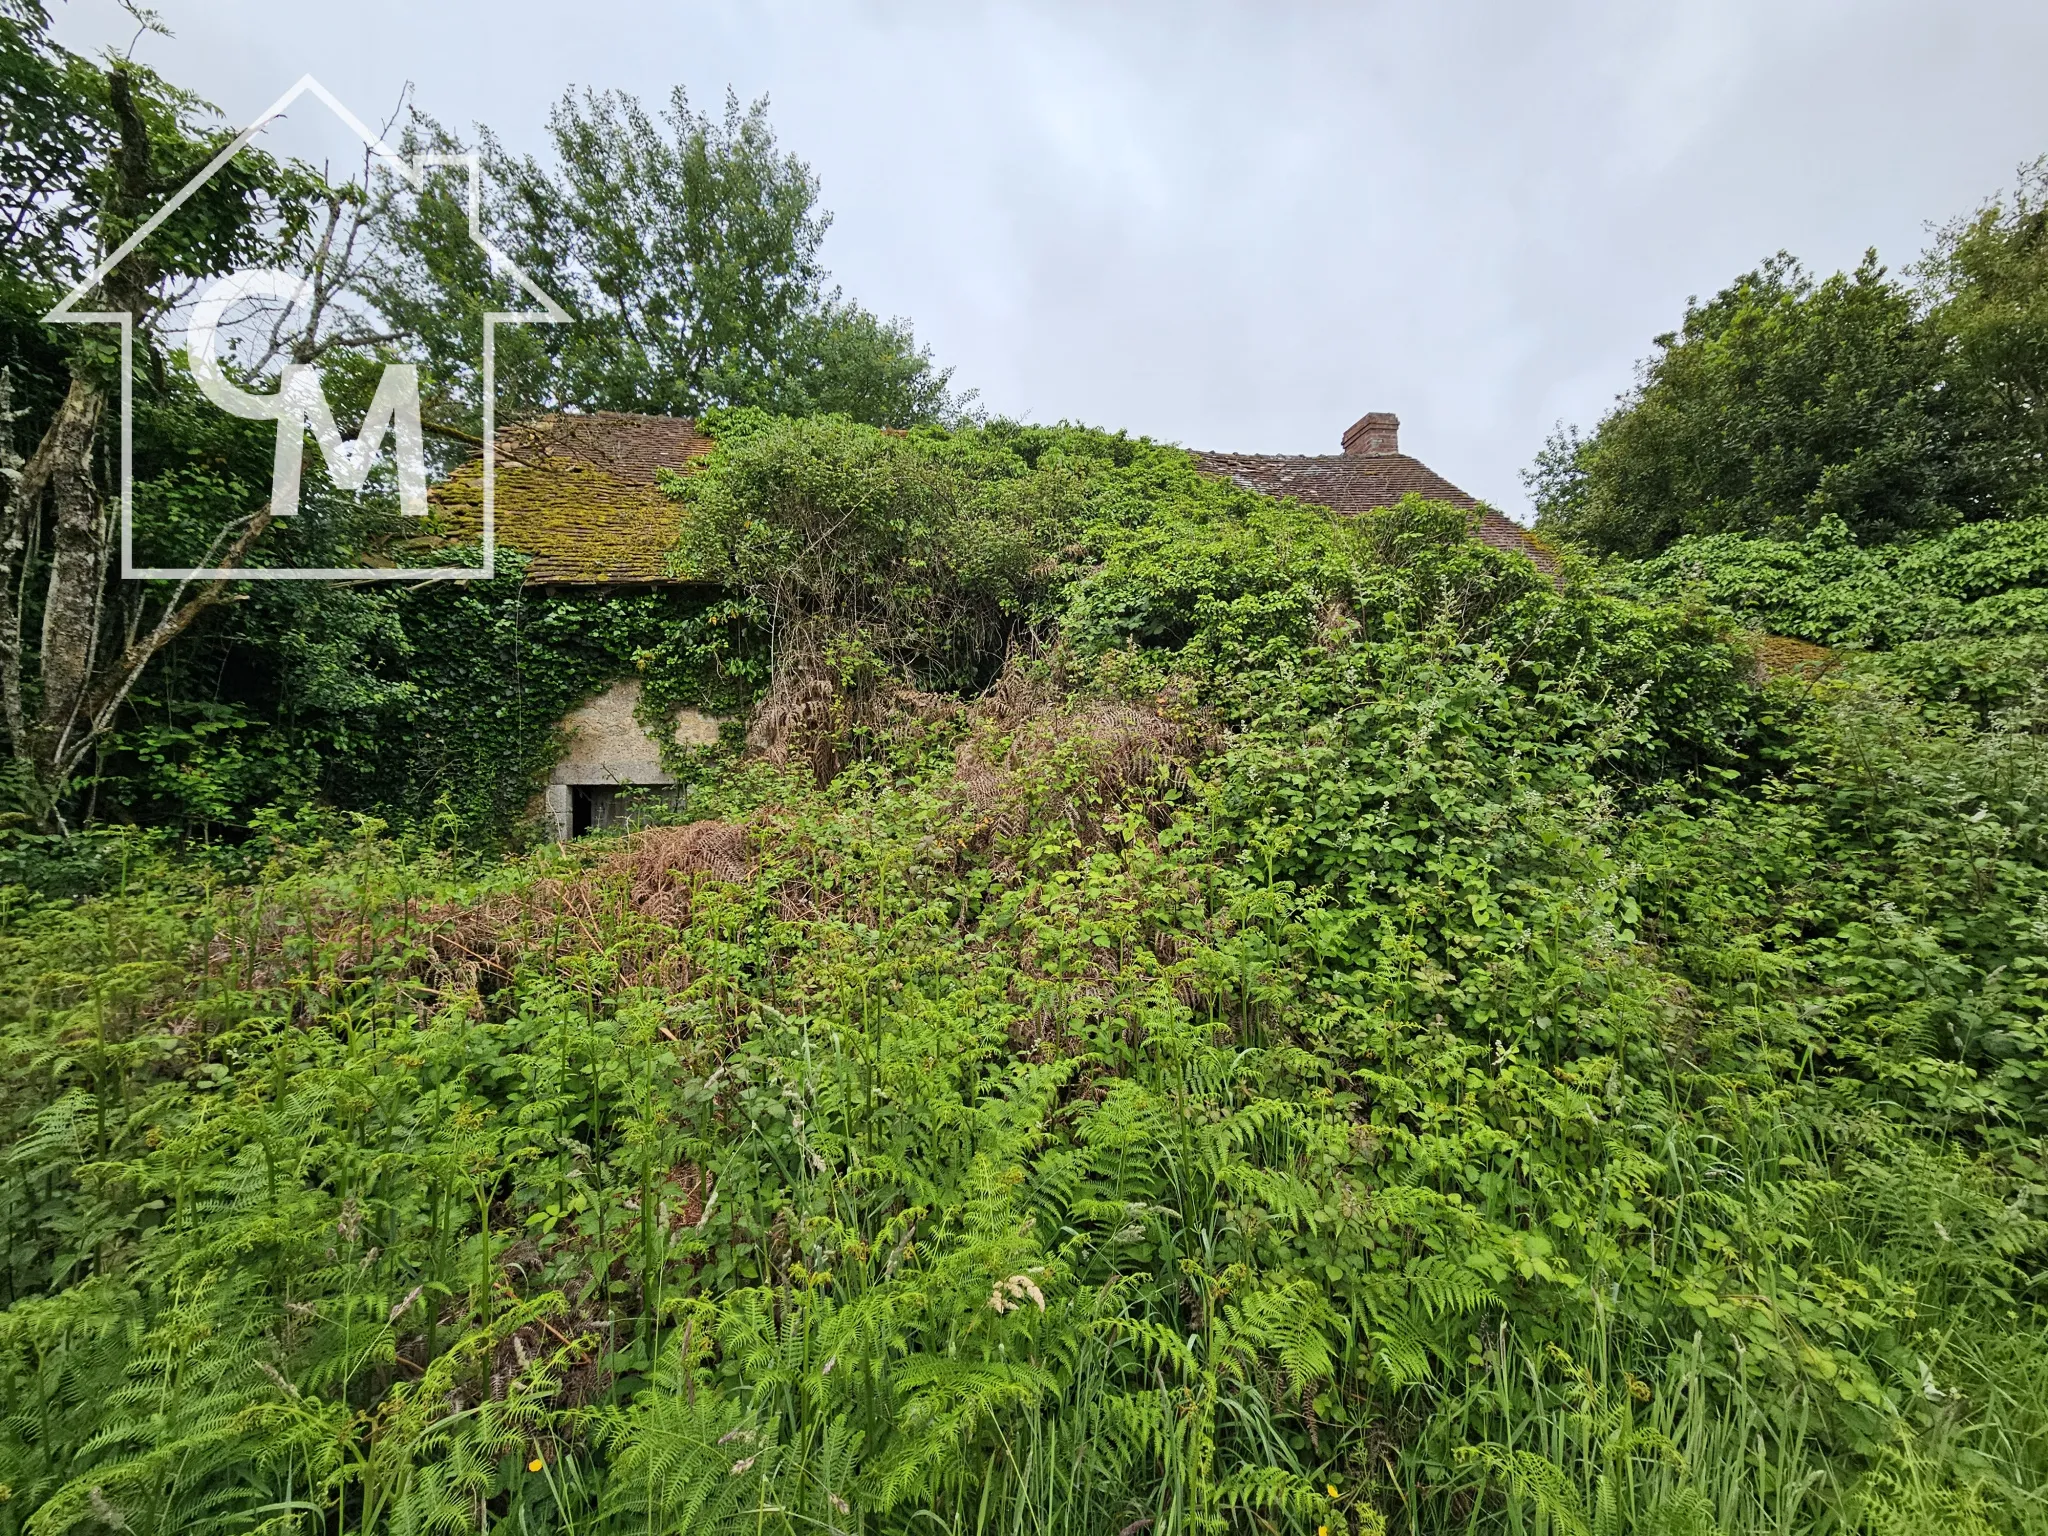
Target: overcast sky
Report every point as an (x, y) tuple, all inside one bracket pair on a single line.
[(1243, 226)]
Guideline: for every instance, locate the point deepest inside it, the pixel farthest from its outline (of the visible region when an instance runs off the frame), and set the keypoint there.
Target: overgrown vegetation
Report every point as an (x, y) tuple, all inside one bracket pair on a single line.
[(1340, 1033), (688, 252), (1184, 1013), (1983, 580)]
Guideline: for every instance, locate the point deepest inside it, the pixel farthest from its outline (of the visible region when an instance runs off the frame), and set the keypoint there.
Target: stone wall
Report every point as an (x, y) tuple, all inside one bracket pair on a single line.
[(608, 748)]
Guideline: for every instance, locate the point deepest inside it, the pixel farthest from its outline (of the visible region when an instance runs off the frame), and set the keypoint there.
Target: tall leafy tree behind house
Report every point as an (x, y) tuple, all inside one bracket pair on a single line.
[(1989, 274), (687, 247), (1778, 402)]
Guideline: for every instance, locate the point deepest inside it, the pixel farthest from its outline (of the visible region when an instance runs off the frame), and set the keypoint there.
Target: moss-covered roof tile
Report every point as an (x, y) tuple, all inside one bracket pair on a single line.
[(577, 495)]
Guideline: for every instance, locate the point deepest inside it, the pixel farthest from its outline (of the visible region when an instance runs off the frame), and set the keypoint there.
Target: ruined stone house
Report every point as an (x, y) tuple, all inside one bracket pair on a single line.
[(577, 494)]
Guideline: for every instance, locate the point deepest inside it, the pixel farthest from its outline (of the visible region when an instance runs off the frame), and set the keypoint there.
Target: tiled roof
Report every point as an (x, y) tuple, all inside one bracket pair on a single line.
[(1359, 482), (577, 495)]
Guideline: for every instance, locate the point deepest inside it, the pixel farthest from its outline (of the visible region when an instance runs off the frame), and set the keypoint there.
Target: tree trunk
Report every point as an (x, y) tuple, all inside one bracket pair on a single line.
[(14, 557), (54, 725), (77, 587), (58, 708)]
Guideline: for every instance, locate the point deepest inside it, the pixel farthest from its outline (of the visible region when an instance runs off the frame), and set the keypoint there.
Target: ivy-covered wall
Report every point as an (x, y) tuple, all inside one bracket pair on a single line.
[(441, 701)]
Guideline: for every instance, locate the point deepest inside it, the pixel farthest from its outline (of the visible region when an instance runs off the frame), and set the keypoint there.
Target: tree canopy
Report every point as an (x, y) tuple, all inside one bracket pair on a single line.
[(686, 246), (1897, 408), (1989, 273)]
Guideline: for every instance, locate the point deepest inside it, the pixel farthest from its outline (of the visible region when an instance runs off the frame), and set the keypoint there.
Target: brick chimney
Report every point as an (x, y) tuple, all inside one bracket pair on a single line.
[(1375, 433)]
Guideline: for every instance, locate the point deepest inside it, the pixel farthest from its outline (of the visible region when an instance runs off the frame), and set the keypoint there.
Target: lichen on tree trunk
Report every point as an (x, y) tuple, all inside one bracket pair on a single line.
[(62, 466)]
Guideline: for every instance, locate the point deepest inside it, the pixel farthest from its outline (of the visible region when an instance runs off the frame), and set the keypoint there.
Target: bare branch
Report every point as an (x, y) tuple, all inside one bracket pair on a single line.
[(346, 339), (455, 433)]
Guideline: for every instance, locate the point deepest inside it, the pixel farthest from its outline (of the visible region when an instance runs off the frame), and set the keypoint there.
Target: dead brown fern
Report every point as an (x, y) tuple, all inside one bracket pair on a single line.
[(827, 705), (1033, 760)]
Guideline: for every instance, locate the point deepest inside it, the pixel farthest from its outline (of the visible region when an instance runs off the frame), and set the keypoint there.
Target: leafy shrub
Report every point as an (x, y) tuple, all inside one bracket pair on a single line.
[(1986, 579)]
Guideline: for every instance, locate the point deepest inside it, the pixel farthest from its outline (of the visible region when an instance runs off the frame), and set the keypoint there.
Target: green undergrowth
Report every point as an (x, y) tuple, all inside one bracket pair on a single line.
[(1340, 1036), (1981, 581)]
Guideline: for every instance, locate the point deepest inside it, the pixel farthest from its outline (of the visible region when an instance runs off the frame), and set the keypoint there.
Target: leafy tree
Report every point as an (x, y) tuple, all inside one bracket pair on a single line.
[(839, 359), (1779, 402), (47, 147), (688, 250), (91, 154), (1987, 277)]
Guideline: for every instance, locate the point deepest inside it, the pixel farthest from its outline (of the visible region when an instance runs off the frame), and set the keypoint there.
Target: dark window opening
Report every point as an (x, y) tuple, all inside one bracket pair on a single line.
[(590, 807), (606, 807)]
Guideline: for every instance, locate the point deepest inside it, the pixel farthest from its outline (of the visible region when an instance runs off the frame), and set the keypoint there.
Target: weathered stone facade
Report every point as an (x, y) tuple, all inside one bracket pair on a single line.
[(609, 751)]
